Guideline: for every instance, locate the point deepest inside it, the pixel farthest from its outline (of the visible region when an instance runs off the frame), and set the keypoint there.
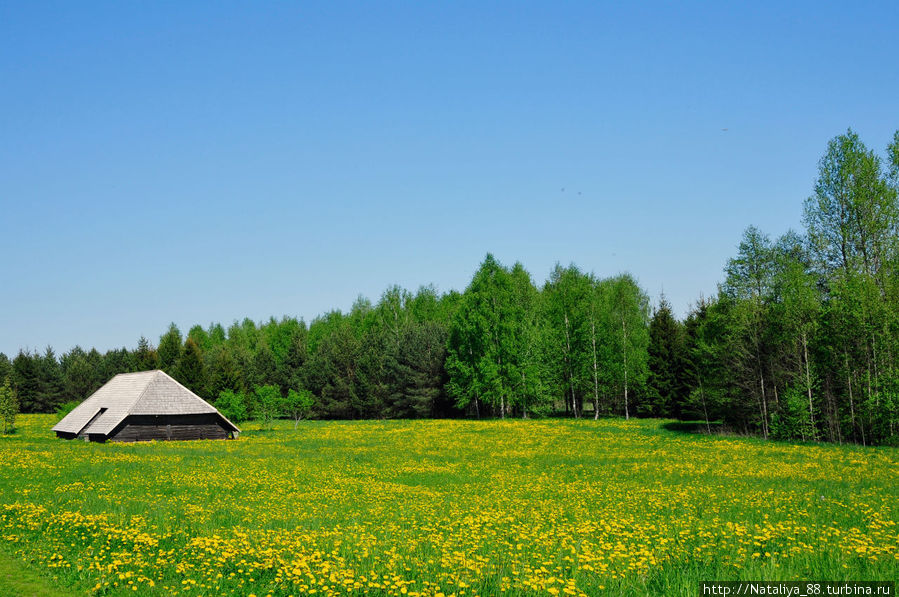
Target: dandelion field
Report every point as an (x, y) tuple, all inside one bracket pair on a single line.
[(546, 507)]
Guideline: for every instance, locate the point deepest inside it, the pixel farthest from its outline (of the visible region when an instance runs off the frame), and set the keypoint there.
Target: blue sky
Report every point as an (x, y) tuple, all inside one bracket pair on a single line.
[(198, 162)]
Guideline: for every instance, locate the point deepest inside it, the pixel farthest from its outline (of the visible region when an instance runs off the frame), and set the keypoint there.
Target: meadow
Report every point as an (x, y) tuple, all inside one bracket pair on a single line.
[(441, 508)]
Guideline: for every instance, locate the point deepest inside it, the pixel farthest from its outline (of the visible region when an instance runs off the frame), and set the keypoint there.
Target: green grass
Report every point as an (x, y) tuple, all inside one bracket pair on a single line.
[(540, 507), (18, 580)]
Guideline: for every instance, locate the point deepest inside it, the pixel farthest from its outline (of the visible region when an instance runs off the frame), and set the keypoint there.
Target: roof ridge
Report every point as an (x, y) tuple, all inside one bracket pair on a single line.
[(194, 394), (83, 415), (156, 373)]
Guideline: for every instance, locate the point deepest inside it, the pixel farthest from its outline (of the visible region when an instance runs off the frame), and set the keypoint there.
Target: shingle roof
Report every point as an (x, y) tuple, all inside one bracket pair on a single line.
[(144, 393)]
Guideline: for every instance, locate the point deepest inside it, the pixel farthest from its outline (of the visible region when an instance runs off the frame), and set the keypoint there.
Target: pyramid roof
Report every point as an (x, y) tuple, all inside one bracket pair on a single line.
[(144, 393)]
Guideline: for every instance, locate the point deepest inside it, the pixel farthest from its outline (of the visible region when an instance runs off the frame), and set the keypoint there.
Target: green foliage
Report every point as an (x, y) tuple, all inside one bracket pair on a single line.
[(269, 405), (81, 373), (491, 359), (190, 369), (298, 405), (9, 406), (852, 212), (5, 367), (233, 405), (629, 317), (115, 361), (169, 350), (801, 340), (882, 409), (570, 322), (223, 371), (200, 337), (145, 356), (265, 368), (38, 381), (334, 367), (792, 421), (65, 408), (666, 363)]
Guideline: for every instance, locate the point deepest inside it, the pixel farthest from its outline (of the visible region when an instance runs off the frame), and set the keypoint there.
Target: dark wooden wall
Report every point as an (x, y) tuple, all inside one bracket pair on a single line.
[(141, 428)]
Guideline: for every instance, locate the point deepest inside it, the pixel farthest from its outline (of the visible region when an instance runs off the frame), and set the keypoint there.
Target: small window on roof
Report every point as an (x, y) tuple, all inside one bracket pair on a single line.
[(89, 423)]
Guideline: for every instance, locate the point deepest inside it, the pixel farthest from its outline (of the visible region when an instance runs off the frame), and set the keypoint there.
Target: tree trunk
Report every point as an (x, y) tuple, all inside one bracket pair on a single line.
[(627, 412), (705, 410), (833, 423), (852, 405), (876, 375), (570, 368), (763, 400), (764, 405), (524, 399), (808, 383), (870, 387)]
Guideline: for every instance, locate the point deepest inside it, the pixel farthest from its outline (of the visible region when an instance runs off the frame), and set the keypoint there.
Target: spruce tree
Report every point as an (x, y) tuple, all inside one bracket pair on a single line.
[(169, 350), (666, 363), (191, 371), (145, 356)]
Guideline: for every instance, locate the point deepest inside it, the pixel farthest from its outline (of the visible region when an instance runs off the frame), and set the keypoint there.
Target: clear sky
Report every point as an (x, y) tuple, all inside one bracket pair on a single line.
[(198, 162)]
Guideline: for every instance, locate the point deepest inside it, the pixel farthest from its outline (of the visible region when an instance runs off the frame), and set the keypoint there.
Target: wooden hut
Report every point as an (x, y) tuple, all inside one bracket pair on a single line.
[(144, 406)]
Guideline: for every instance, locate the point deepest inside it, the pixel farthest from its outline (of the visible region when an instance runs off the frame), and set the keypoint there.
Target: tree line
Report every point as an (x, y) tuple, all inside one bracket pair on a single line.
[(502, 348), (800, 341)]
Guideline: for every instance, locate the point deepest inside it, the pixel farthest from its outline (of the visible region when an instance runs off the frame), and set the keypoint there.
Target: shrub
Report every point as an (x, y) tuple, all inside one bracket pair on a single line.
[(233, 405), (65, 408), (792, 421), (298, 405), (9, 406), (269, 405)]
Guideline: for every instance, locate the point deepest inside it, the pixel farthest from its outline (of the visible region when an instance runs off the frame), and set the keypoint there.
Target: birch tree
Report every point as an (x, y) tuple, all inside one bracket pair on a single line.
[(486, 352), (629, 318), (568, 302), (748, 288)]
